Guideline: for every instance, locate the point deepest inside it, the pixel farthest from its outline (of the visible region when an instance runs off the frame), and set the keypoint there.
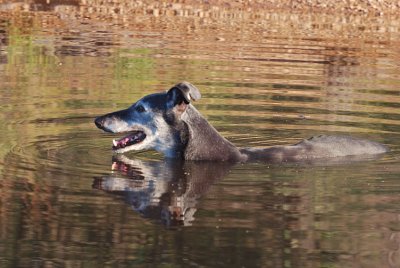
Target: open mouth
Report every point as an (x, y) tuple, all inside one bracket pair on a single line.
[(134, 137)]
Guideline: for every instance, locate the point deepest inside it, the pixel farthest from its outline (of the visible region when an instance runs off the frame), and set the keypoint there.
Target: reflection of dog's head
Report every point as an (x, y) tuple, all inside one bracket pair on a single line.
[(153, 122), (162, 190)]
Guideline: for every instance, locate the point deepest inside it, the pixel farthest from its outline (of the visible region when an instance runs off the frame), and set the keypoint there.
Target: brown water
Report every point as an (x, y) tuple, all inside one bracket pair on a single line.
[(266, 79)]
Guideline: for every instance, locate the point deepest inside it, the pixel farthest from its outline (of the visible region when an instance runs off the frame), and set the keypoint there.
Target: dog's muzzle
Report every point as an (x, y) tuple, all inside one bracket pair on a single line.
[(99, 122)]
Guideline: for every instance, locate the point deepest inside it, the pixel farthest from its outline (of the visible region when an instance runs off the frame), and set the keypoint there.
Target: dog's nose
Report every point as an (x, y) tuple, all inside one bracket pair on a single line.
[(99, 121)]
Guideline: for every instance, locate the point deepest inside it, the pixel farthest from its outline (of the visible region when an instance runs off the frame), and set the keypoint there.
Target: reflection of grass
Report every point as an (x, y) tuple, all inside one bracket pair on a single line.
[(24, 58), (134, 66), (33, 54)]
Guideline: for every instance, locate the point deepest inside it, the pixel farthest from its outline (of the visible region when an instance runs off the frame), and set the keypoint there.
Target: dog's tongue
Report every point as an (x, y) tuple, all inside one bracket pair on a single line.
[(132, 138)]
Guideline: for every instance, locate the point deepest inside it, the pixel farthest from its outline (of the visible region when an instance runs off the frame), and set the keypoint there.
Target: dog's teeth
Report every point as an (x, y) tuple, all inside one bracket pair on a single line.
[(115, 143)]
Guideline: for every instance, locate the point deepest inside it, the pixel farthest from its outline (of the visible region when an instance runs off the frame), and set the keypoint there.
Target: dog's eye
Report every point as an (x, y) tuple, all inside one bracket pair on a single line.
[(140, 109)]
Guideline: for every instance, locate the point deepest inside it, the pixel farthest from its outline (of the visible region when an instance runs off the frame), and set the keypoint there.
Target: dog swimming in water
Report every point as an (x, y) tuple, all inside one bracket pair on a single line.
[(169, 123)]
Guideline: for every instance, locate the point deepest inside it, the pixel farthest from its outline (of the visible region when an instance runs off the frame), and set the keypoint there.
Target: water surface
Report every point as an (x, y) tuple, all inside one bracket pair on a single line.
[(266, 79)]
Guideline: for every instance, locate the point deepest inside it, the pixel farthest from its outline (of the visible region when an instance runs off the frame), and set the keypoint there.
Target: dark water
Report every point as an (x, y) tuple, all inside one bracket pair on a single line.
[(266, 79)]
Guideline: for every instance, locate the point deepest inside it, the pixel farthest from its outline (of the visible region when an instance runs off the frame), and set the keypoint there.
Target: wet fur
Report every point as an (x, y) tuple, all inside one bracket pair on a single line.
[(175, 128)]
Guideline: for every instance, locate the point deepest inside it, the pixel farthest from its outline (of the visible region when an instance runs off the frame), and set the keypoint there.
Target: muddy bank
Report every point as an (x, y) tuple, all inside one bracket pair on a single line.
[(371, 7), (349, 7), (250, 18)]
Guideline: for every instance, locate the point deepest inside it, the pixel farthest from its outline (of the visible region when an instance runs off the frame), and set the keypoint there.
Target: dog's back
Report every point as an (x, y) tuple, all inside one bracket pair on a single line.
[(315, 148)]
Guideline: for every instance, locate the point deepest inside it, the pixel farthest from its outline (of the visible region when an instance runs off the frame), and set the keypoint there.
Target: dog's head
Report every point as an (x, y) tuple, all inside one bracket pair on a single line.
[(153, 122)]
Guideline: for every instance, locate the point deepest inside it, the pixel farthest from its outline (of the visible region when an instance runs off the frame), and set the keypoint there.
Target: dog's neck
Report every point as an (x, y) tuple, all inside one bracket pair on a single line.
[(204, 142)]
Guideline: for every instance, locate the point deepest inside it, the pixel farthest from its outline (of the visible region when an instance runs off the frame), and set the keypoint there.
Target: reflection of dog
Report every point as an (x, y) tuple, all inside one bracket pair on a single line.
[(162, 190), (168, 123)]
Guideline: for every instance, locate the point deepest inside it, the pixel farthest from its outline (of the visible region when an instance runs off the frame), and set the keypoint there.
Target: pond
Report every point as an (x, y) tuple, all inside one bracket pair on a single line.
[(266, 78)]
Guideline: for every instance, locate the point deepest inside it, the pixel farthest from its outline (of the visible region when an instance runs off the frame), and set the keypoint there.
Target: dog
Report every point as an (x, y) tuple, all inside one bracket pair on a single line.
[(169, 123)]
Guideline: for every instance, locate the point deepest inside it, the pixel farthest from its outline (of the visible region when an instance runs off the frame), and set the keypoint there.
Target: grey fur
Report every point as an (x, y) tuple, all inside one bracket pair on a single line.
[(205, 143), (317, 148), (174, 127), (189, 91)]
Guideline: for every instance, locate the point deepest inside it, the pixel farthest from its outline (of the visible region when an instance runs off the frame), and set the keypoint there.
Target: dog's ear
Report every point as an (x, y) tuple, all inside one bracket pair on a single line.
[(181, 95)]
